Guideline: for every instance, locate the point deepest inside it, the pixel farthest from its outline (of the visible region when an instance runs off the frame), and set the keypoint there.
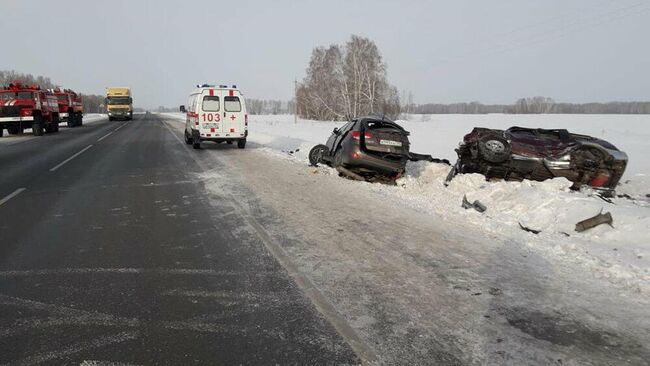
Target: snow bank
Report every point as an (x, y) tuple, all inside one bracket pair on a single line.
[(619, 253)]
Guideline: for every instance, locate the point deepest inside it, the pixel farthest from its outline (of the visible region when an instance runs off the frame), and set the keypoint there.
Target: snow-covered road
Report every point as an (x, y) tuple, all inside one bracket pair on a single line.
[(424, 281)]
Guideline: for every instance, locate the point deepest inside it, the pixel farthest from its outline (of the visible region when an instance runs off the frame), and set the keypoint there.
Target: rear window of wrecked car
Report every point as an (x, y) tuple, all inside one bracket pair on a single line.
[(380, 124)]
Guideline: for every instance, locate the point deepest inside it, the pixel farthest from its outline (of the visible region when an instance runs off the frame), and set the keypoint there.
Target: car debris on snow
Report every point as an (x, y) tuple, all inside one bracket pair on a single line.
[(525, 228), (477, 205), (599, 219)]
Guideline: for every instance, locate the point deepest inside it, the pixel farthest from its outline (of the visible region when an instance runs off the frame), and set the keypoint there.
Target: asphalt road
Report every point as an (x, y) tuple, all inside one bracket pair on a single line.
[(110, 253)]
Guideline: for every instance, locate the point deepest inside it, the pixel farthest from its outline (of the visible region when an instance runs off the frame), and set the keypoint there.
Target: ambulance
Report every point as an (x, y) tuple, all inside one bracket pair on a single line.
[(215, 113)]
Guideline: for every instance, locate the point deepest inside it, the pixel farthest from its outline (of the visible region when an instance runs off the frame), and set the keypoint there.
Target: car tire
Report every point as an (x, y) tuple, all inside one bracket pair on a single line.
[(316, 154), (241, 143), (37, 126), (494, 148), (196, 144), (73, 120), (80, 119), (188, 139)]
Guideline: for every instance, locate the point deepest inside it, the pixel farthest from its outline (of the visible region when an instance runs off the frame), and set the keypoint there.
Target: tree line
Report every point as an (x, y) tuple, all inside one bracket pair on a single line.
[(534, 105), (92, 103)]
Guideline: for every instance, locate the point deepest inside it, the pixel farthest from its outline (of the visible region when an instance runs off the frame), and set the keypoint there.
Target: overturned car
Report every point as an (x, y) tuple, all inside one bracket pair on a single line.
[(537, 154), (367, 148)]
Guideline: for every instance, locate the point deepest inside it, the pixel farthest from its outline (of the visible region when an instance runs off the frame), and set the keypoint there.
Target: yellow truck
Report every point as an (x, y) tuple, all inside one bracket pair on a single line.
[(119, 103)]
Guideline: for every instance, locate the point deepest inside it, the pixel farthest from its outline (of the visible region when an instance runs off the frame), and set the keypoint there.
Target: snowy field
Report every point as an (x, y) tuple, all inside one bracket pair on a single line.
[(619, 253)]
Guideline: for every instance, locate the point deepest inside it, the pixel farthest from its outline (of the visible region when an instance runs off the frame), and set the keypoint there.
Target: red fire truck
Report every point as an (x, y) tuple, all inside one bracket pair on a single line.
[(24, 107), (70, 107)]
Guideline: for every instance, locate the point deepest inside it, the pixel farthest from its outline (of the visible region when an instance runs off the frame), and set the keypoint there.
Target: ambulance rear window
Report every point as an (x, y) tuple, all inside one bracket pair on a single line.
[(232, 104), (210, 104)]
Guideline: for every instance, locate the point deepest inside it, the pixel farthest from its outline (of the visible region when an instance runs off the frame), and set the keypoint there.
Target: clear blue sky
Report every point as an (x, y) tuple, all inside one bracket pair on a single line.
[(442, 51)]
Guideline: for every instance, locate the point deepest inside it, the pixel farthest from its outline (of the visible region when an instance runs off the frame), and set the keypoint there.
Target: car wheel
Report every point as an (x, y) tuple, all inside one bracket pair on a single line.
[(37, 127), (188, 139), (196, 143), (13, 130), (316, 154), (241, 143), (494, 148)]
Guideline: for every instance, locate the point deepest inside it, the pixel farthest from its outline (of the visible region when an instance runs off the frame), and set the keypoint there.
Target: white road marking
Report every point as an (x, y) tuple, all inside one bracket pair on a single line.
[(125, 123), (70, 158), (77, 348), (105, 136), (173, 133), (11, 195)]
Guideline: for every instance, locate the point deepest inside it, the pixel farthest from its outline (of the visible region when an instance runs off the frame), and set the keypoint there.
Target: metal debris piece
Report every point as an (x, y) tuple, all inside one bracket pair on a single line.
[(525, 228), (601, 218), (477, 205), (426, 157)]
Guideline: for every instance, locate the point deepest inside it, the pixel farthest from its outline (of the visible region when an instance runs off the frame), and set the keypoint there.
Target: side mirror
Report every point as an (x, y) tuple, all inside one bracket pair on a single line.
[(182, 108), (335, 131)]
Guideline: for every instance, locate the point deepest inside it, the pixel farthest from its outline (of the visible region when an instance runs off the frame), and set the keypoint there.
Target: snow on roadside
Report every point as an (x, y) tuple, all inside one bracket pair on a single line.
[(620, 253)]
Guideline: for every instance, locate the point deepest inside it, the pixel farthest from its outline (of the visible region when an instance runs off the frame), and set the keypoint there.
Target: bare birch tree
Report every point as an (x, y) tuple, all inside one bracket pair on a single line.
[(344, 82)]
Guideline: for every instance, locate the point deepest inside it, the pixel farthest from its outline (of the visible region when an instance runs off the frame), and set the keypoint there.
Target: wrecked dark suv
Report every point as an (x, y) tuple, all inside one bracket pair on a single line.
[(366, 148), (537, 154)]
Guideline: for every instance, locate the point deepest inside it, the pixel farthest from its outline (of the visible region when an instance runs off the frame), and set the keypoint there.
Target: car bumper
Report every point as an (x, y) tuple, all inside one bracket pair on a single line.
[(16, 119), (356, 158), (119, 114)]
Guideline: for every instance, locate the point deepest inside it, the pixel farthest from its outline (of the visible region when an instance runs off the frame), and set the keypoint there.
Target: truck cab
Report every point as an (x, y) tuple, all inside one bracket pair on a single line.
[(119, 103), (70, 107), (217, 114), (23, 107)]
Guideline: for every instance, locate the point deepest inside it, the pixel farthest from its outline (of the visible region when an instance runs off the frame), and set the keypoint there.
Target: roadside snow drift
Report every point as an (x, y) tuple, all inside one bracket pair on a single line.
[(619, 252)]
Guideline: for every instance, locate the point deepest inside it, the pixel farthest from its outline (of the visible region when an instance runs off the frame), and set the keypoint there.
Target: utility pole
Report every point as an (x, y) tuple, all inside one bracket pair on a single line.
[(295, 101)]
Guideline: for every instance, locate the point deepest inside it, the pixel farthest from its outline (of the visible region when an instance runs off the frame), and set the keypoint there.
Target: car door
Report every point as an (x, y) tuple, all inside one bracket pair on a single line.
[(210, 113), (335, 139), (234, 113)]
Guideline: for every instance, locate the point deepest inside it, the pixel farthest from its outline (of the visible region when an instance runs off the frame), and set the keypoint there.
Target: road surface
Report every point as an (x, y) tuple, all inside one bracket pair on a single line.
[(111, 252), (123, 245)]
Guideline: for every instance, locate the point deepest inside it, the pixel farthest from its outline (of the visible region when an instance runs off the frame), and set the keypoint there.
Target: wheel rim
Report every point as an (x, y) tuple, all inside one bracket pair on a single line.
[(317, 155), (495, 146)]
